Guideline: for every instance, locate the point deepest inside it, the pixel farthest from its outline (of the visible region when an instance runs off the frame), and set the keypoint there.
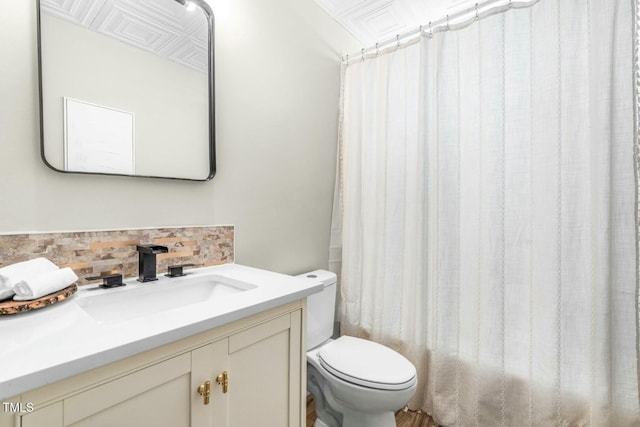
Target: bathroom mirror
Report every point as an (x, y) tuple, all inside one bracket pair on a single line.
[(127, 88)]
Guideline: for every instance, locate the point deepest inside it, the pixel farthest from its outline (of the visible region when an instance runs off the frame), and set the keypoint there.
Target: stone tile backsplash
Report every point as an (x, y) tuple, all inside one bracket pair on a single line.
[(91, 253)]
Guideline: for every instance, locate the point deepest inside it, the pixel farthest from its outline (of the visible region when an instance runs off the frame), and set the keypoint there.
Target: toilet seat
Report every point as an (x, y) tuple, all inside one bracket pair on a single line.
[(367, 364)]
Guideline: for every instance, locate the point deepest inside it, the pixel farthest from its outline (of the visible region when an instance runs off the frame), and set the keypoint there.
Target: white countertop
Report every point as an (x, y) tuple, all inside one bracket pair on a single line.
[(44, 346)]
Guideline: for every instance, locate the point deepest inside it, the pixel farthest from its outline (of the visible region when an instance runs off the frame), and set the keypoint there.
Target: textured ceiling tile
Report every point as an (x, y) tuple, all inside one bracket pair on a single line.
[(165, 28), (78, 12), (118, 21), (339, 7), (191, 52), (380, 22), (372, 21)]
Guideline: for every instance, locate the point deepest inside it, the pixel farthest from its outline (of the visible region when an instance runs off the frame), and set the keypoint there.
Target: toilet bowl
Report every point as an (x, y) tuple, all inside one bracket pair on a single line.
[(354, 382)]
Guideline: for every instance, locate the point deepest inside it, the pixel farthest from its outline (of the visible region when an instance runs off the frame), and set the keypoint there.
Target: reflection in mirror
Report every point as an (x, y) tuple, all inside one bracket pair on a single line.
[(127, 87)]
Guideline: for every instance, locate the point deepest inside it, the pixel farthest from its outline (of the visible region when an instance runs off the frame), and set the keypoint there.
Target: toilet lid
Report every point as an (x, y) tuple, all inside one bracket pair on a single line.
[(367, 363)]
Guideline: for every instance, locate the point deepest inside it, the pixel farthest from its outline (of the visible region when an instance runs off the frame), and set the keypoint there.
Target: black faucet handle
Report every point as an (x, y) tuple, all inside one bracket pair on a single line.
[(177, 270), (152, 249), (109, 280)]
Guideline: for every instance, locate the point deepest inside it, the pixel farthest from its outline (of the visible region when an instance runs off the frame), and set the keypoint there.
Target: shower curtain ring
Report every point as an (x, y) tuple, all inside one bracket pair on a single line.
[(430, 30), (397, 41), (377, 51), (510, 4), (347, 59), (362, 53), (448, 23), (477, 12)]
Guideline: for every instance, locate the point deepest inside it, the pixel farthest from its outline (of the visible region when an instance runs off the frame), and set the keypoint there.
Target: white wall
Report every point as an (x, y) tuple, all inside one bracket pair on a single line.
[(277, 74)]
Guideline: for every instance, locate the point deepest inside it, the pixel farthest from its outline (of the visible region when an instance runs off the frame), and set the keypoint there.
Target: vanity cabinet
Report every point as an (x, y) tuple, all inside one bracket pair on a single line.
[(254, 369)]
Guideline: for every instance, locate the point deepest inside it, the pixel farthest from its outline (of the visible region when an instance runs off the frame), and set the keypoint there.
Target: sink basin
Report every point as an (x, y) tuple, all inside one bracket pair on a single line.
[(139, 300)]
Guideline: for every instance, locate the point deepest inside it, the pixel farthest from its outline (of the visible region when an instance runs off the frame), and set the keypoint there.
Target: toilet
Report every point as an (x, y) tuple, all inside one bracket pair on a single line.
[(354, 382)]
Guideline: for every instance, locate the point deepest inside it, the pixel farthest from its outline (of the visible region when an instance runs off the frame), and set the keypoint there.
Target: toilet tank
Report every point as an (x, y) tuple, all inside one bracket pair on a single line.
[(320, 308)]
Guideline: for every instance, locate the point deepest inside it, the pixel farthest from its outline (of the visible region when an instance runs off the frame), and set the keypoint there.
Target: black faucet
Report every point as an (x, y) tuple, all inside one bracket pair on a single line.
[(147, 261)]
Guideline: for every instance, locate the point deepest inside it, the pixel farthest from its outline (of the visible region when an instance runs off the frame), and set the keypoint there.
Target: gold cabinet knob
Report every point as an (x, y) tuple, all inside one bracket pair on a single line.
[(223, 380), (205, 391)]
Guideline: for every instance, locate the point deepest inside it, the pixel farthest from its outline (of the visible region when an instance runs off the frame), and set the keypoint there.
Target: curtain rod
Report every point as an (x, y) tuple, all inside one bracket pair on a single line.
[(456, 21)]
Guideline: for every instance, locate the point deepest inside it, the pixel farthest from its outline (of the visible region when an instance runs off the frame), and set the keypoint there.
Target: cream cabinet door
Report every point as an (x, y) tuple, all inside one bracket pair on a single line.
[(50, 416), (264, 374), (157, 395)]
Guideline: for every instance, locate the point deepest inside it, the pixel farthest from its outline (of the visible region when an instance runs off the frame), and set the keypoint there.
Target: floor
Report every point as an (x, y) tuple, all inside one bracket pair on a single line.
[(403, 418)]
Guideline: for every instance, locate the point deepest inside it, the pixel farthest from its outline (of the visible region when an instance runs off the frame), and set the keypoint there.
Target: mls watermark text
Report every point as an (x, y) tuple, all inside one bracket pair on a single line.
[(17, 407)]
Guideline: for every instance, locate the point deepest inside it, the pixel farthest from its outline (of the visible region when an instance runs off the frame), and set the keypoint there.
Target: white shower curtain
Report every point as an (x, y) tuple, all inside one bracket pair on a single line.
[(485, 211)]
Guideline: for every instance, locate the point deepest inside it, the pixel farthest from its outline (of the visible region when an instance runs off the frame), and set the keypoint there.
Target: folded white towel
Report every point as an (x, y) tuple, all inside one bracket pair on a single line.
[(6, 293), (12, 274), (44, 284)]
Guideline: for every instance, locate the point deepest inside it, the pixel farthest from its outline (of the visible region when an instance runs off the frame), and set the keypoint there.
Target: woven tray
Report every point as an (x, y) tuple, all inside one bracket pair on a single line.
[(14, 307)]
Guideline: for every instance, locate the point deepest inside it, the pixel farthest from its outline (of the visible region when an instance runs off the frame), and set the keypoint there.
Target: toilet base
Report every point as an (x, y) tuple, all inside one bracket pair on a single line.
[(386, 419), (334, 413), (319, 423), (360, 420)]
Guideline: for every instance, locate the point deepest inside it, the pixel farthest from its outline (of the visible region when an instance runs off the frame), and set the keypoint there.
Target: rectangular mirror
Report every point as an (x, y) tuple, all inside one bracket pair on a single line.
[(127, 88)]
